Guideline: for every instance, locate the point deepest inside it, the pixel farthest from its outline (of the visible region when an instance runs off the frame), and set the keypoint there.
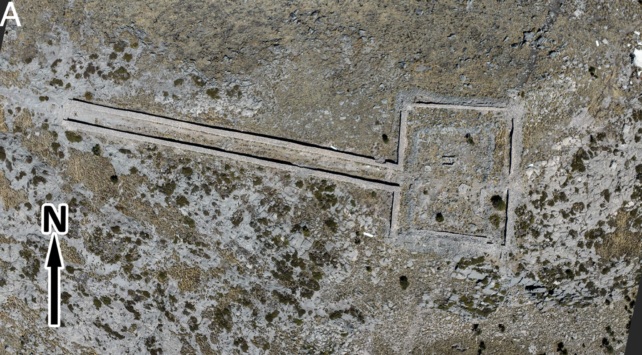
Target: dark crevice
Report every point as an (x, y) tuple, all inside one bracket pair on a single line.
[(510, 147), (449, 160), (236, 153), (475, 106), (506, 219), (399, 152), (449, 232)]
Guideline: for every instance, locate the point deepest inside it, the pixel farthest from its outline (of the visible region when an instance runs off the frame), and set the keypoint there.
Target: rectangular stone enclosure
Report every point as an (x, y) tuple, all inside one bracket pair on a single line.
[(457, 166)]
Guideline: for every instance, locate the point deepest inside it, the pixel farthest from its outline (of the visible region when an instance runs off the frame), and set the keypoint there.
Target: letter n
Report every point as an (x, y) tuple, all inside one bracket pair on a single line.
[(52, 219)]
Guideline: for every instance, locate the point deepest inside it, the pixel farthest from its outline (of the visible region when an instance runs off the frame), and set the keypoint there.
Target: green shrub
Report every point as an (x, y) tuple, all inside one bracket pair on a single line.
[(403, 281), (498, 203)]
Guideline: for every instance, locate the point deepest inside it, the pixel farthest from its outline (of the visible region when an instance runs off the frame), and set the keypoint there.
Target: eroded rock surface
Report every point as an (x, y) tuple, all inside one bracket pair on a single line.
[(174, 252)]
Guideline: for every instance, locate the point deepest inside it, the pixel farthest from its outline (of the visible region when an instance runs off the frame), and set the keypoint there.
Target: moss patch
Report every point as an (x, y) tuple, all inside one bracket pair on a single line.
[(120, 74), (578, 161), (73, 137), (271, 316), (494, 220), (213, 94), (198, 81)]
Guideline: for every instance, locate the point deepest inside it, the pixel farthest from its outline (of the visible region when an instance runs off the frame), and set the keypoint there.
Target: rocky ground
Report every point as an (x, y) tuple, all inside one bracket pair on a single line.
[(172, 252)]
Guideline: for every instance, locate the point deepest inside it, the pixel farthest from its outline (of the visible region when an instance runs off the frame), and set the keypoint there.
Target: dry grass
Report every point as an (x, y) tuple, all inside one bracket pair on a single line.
[(70, 254), (40, 146), (622, 242), (93, 172), (3, 123), (10, 197), (23, 122), (189, 278)]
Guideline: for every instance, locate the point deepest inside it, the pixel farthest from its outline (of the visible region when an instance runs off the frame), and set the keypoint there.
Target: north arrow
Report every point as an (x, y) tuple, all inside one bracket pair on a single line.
[(54, 262)]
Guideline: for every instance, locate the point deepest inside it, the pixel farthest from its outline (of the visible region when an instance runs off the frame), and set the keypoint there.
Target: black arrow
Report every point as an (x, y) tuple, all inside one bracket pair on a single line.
[(634, 343), (54, 262)]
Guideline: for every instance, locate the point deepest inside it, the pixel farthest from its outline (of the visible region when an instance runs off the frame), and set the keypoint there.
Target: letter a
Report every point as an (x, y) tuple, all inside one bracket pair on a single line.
[(11, 7)]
